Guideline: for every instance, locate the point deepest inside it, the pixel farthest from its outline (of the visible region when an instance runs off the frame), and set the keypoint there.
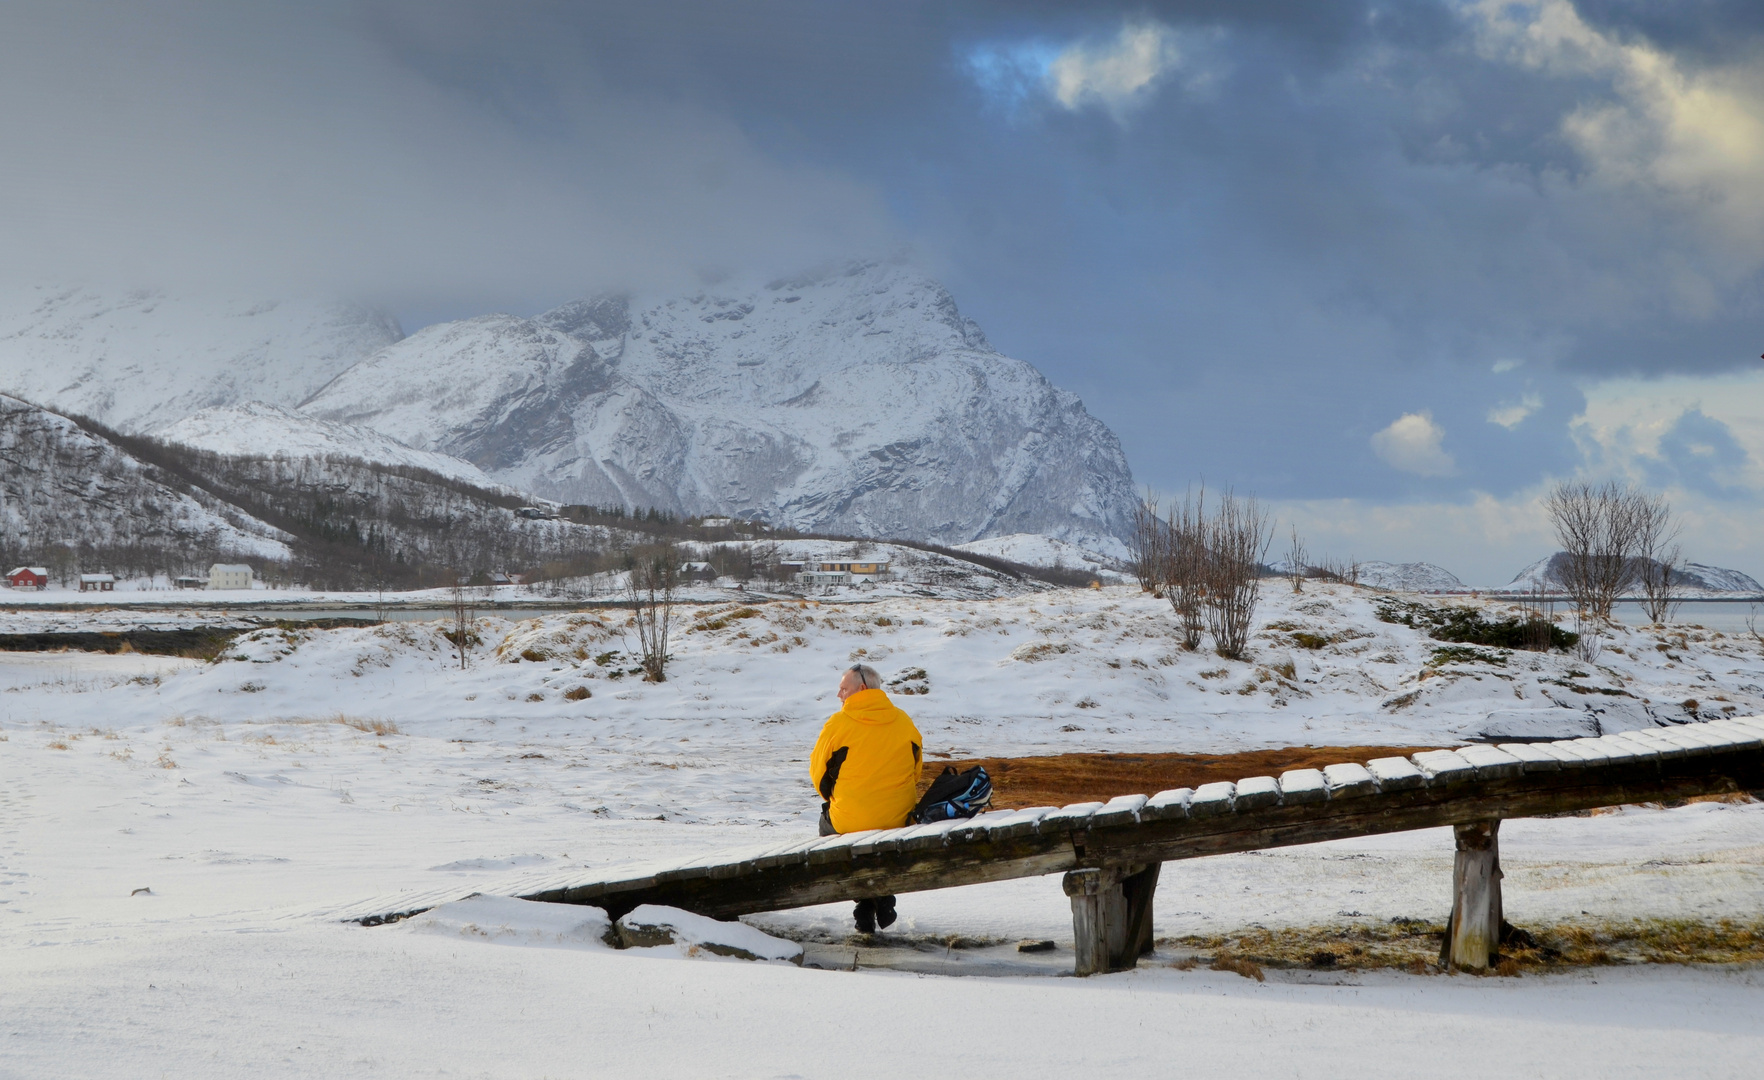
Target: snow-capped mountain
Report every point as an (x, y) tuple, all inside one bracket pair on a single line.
[(141, 360), (256, 429), (1409, 577), (1546, 574), (857, 400), (66, 486)]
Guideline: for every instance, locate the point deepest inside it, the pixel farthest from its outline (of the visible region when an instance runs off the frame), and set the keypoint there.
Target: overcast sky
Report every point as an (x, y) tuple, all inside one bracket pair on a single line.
[(1393, 266)]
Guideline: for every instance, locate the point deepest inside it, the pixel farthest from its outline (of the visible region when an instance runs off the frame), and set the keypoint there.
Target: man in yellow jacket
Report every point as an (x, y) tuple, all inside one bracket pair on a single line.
[(866, 767)]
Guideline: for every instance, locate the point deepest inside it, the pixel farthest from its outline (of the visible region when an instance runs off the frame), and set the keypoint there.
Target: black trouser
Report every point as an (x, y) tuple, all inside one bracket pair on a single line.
[(827, 829)]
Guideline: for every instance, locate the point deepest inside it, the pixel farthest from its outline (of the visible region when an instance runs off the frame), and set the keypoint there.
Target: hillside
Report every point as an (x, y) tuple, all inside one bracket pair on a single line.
[(70, 498), (1546, 574), (256, 429)]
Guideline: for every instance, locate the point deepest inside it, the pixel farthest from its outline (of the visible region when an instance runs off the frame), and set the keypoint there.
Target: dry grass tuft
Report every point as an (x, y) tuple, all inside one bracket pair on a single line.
[(1249, 969), (577, 693), (365, 724)]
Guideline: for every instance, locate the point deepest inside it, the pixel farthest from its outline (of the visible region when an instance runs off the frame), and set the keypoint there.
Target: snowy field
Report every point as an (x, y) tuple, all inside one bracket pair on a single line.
[(170, 831)]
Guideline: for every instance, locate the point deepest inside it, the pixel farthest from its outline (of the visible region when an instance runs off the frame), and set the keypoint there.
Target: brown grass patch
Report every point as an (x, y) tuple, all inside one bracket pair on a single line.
[(381, 728), (1063, 779), (1413, 945)]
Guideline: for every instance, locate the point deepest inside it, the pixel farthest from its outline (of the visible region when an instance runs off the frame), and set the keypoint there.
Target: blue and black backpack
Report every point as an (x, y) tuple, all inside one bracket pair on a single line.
[(954, 795)]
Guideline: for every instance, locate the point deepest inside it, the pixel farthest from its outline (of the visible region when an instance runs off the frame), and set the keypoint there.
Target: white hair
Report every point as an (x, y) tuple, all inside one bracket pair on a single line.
[(869, 676)]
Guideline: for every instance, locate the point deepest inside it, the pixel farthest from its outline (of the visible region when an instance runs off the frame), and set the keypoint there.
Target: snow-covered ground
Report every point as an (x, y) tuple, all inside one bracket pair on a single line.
[(315, 768)]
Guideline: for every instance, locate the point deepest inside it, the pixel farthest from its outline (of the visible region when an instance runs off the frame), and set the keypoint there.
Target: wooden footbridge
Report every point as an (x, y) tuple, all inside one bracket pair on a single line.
[(1110, 852)]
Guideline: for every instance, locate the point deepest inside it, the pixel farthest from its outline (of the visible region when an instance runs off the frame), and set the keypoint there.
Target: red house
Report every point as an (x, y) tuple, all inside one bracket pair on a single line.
[(29, 577)]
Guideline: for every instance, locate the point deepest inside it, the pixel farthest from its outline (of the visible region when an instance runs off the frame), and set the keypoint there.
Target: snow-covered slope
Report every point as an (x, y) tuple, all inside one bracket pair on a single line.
[(1546, 574), (255, 428), (64, 487), (1033, 549), (140, 360), (857, 400), (1408, 577)]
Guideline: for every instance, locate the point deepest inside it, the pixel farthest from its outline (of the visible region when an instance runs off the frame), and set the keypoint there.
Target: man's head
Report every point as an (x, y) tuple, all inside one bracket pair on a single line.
[(859, 677)]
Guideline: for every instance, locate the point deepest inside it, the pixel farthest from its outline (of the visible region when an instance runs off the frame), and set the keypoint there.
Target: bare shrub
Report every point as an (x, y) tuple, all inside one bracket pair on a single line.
[(1237, 537), (1658, 559), (650, 584), (1295, 562), (465, 619), (1149, 533), (1184, 576)]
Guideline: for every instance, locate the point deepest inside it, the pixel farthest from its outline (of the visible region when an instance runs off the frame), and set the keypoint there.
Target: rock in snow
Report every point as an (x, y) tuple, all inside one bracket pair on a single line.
[(857, 401)]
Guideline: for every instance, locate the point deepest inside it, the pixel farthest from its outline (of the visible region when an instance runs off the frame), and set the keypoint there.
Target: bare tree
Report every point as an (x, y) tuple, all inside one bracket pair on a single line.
[(1295, 562), (1147, 551), (1658, 559), (1183, 564), (465, 618), (1238, 535), (650, 584), (1600, 529)]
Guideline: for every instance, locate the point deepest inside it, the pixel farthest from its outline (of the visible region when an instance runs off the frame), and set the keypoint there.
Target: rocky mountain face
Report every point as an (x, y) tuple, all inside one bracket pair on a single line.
[(858, 401), (141, 360), (1547, 574)]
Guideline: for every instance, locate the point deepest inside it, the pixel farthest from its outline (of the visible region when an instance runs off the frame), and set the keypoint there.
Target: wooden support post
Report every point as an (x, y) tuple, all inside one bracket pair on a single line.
[(1111, 916), (1473, 934)]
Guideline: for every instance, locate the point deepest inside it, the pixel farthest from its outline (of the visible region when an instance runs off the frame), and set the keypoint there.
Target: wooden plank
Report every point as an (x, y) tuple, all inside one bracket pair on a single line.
[(1664, 749), (1693, 747), (1024, 823), (1298, 786), (1742, 737), (1349, 780), (1641, 749), (1443, 767), (1166, 805), (1616, 751), (836, 849), (1566, 758), (1157, 839), (1751, 723), (1068, 818), (880, 840), (1255, 792), (1491, 763), (788, 855), (1714, 740), (1212, 800), (1395, 774), (1532, 758), (1582, 750), (1120, 810)]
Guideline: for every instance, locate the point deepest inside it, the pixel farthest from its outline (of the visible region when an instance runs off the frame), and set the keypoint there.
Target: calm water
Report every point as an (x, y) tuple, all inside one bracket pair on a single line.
[(1727, 617)]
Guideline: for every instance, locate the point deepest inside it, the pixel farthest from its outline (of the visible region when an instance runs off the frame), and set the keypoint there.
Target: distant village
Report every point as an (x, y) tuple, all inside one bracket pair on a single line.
[(220, 576)]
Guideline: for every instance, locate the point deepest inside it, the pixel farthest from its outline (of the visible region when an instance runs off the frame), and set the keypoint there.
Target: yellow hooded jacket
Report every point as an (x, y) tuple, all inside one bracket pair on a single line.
[(866, 764)]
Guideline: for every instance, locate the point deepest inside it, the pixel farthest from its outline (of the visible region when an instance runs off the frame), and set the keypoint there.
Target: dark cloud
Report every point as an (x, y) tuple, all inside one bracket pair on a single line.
[(1326, 215), (1701, 453)]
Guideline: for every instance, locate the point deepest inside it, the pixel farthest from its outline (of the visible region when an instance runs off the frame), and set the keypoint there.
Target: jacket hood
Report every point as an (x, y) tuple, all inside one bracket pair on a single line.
[(871, 707)]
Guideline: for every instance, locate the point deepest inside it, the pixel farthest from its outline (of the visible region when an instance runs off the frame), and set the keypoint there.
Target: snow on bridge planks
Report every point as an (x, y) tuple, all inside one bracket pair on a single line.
[(1303, 806)]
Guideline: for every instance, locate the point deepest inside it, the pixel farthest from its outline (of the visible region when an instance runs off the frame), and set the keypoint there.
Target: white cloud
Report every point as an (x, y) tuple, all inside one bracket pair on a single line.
[(1501, 367), (1412, 444), (1511, 413), (1697, 136), (1116, 74)]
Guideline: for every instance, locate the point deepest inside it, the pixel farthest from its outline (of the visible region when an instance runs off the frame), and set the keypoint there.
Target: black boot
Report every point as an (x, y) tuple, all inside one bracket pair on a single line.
[(885, 911), (865, 916)]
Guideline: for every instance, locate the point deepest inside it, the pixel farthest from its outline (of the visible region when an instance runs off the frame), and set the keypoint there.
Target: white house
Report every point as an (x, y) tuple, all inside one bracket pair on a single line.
[(229, 576), (97, 583)]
